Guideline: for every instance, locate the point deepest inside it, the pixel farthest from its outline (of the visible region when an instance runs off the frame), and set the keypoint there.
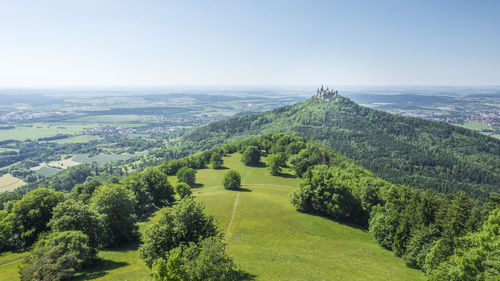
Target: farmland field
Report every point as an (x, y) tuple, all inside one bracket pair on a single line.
[(42, 130), (9, 183)]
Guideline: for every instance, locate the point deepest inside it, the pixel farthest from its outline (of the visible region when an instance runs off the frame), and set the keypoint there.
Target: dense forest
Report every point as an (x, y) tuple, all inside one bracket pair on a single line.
[(402, 150)]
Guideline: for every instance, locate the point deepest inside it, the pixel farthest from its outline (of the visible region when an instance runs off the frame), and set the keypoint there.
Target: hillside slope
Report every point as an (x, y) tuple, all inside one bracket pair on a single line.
[(268, 238), (402, 150)]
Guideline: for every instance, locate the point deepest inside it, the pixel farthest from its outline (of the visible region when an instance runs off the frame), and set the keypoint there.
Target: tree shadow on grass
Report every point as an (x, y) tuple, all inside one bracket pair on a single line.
[(102, 266), (98, 270), (346, 223), (243, 276), (197, 185), (286, 175)]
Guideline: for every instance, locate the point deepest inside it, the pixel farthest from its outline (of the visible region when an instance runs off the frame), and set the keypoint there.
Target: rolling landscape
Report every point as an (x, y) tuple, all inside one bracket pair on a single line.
[(249, 140)]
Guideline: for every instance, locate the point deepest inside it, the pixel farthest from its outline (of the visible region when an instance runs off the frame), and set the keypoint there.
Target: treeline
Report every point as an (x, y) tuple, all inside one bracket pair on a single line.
[(403, 150)]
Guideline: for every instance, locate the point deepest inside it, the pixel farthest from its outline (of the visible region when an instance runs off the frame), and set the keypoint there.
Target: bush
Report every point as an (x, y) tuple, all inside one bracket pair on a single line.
[(216, 160), (183, 190), (251, 156), (180, 224), (232, 180), (57, 256), (186, 175), (275, 162), (206, 261)]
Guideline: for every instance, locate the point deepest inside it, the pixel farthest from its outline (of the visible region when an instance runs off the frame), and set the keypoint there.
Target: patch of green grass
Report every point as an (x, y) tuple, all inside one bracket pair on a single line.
[(46, 171), (475, 126), (103, 157), (268, 238), (9, 262), (8, 183), (42, 130)]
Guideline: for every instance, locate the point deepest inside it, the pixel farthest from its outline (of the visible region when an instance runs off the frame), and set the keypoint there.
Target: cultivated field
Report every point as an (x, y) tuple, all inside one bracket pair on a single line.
[(9, 183)]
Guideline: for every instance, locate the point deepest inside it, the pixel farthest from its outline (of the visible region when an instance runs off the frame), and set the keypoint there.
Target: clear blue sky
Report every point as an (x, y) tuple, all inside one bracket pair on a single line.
[(248, 43)]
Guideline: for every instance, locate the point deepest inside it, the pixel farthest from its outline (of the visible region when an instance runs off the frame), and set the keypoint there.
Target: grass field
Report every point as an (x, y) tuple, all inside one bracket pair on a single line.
[(9, 183), (102, 158), (475, 126), (42, 130), (267, 237)]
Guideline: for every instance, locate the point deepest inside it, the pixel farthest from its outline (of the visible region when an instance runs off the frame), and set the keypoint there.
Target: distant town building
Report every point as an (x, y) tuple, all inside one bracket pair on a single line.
[(327, 94)]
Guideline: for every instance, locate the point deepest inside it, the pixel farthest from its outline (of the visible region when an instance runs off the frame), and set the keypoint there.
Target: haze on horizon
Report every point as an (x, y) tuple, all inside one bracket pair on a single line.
[(248, 43)]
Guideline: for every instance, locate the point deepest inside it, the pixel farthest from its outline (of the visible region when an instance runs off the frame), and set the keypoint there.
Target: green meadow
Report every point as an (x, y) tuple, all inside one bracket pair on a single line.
[(42, 130), (265, 236)]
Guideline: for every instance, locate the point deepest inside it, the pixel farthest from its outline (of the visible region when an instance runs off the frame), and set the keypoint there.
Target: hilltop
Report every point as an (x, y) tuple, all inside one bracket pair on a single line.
[(403, 150)]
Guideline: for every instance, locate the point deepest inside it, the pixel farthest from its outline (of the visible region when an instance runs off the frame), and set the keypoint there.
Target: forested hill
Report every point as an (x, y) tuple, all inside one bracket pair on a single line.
[(402, 150)]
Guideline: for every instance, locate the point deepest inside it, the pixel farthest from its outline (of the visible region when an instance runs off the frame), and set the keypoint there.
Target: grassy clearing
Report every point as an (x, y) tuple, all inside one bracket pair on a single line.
[(475, 126), (9, 263), (268, 238), (103, 158), (8, 183), (42, 130)]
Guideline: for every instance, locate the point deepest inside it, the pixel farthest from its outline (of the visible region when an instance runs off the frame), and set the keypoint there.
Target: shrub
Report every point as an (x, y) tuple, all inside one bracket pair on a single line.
[(232, 180), (187, 175)]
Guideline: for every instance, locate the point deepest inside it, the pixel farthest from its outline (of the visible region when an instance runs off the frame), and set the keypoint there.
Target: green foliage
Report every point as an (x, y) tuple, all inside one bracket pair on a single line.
[(231, 180), (187, 175), (151, 189), (183, 190), (74, 215), (180, 224), (476, 255), (32, 213), (57, 256), (419, 246), (275, 162), (382, 226), (117, 205), (206, 261), (216, 160), (251, 155), (322, 191), (84, 191)]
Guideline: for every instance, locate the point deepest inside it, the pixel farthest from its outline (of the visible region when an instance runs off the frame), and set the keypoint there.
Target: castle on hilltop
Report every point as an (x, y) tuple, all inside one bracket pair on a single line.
[(327, 94)]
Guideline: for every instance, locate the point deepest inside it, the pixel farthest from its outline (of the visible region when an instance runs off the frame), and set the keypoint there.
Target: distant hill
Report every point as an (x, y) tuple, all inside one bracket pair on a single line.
[(403, 150)]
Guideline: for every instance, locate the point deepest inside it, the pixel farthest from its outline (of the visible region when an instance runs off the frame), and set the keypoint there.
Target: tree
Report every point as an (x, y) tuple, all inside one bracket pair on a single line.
[(33, 212), (183, 190), (251, 156), (324, 191), (275, 162), (476, 255), (231, 180), (151, 189), (83, 192), (216, 160), (158, 186), (56, 256), (206, 261), (117, 205), (74, 215), (179, 224), (187, 175)]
